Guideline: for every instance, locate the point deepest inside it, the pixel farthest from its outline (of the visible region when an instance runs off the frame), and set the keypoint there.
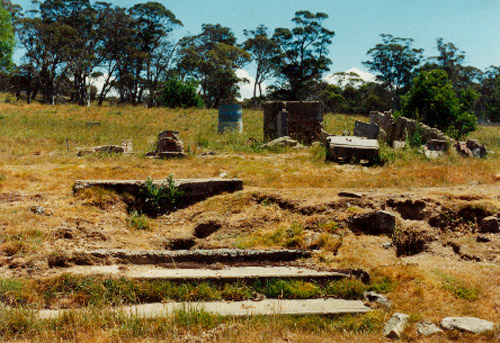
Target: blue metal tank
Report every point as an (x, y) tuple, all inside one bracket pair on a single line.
[(230, 118)]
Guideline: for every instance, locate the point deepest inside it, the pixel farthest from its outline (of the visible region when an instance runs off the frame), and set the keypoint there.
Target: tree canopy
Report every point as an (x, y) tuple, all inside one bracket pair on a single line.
[(212, 57), (303, 55), (7, 40), (394, 61), (433, 101)]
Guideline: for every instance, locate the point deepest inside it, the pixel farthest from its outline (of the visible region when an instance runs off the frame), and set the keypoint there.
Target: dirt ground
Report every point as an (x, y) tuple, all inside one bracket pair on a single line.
[(436, 256)]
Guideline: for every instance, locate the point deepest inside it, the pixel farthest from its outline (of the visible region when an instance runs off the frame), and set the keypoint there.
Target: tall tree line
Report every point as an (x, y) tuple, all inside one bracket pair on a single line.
[(70, 44)]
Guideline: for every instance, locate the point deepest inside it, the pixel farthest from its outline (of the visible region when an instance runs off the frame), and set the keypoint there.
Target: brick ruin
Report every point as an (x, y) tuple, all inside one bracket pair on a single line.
[(305, 120)]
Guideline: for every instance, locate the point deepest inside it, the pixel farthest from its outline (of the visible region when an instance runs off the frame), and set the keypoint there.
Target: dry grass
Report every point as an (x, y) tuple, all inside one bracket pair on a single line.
[(37, 169)]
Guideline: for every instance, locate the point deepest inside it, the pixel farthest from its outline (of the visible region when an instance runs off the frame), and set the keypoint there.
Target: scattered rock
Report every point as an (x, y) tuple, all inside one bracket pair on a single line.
[(483, 239), (490, 224), (478, 149), (469, 324), (350, 195), (396, 325), (375, 223), (427, 329), (378, 299), (207, 226), (282, 142), (399, 145), (387, 245), (436, 148), (169, 145), (313, 241), (125, 148), (210, 153), (497, 177), (182, 242), (471, 148), (38, 210)]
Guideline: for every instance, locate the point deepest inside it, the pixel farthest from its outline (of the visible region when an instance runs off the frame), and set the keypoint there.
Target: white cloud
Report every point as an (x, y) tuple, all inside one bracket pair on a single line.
[(336, 79), (99, 83), (246, 89)]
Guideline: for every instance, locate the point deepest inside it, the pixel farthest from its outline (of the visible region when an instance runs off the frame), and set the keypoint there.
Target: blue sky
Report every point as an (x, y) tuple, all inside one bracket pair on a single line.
[(473, 26)]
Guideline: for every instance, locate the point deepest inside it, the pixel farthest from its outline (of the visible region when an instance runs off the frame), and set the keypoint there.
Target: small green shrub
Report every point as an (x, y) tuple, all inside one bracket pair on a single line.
[(138, 221), (157, 199)]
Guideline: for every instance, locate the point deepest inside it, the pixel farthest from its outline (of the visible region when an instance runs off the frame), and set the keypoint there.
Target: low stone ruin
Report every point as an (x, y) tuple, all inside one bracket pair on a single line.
[(124, 148), (169, 145), (435, 148), (471, 148), (351, 149), (399, 130), (403, 128), (284, 141), (302, 120), (368, 130)]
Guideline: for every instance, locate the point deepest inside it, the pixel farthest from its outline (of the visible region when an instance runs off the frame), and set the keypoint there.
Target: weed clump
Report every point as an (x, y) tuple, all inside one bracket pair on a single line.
[(138, 221), (157, 199)]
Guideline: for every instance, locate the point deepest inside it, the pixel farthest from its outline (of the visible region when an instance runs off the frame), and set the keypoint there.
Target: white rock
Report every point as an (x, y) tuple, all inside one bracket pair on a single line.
[(396, 325), (378, 298), (469, 324), (427, 329)]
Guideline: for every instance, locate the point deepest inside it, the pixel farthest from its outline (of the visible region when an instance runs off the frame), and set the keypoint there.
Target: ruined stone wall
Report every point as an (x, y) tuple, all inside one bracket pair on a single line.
[(403, 128), (305, 119)]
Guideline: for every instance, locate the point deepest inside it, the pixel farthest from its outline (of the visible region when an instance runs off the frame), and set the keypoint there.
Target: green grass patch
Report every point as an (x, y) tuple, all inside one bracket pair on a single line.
[(459, 288), (80, 291)]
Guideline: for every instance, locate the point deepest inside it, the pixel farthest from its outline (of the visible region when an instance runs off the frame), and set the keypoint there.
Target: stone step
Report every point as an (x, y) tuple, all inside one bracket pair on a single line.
[(185, 256), (194, 189), (151, 272), (240, 308)]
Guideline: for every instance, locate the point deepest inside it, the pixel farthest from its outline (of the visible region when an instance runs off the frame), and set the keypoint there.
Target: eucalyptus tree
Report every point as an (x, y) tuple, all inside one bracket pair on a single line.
[(152, 49), (395, 63), (7, 40), (303, 55), (212, 58), (263, 49)]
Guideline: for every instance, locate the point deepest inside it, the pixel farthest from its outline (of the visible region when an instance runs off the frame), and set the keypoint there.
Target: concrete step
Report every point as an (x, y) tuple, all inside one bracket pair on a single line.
[(240, 308), (152, 272), (193, 189), (117, 256)]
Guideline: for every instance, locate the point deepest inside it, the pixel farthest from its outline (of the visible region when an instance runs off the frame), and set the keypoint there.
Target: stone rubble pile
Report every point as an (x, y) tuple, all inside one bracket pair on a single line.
[(169, 145), (124, 148)]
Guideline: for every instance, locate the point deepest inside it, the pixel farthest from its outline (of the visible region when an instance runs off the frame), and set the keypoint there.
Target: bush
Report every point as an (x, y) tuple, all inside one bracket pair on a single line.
[(158, 199), (177, 93), (433, 101)]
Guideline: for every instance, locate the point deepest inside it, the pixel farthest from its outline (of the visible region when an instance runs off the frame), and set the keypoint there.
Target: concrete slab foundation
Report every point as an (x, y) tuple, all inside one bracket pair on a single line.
[(194, 189), (266, 307), (147, 272)]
